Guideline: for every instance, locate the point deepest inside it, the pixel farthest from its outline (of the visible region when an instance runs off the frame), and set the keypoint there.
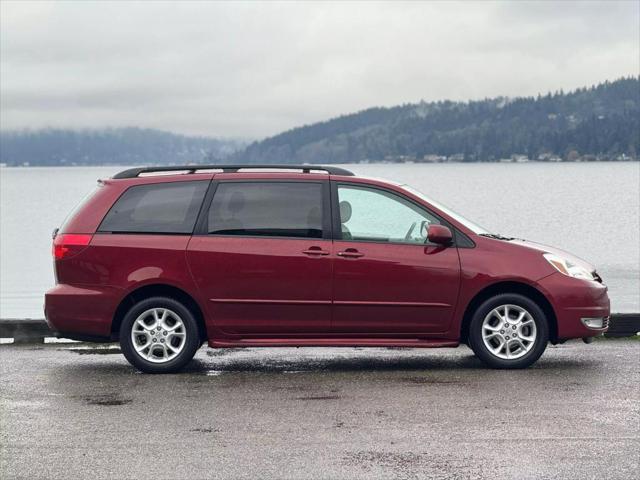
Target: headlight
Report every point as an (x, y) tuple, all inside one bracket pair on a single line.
[(567, 267)]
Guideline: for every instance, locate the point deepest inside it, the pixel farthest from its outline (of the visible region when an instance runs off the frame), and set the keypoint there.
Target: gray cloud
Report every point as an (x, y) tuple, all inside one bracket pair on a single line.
[(254, 69)]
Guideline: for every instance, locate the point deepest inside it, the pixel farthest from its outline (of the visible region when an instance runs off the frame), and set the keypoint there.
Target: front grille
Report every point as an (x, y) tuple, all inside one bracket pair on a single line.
[(605, 322)]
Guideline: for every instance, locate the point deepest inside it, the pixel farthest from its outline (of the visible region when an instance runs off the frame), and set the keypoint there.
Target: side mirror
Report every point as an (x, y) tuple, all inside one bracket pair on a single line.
[(439, 234)]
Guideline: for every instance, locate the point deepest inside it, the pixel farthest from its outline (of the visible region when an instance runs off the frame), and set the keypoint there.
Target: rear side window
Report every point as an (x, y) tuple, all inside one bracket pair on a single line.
[(280, 209), (156, 208), (78, 208)]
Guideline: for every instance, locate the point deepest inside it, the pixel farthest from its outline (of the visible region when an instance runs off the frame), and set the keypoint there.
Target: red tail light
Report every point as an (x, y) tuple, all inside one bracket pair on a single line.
[(69, 244)]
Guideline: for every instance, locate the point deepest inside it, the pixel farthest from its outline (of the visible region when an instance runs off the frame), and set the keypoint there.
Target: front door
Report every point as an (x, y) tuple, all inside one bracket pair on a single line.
[(387, 279), (263, 261)]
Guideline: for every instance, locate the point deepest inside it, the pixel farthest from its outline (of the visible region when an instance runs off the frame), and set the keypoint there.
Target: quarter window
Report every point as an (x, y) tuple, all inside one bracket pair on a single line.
[(368, 214), (156, 208), (282, 209)]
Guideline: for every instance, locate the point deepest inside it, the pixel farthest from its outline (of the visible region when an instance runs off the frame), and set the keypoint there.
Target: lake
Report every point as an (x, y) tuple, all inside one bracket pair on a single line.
[(589, 209)]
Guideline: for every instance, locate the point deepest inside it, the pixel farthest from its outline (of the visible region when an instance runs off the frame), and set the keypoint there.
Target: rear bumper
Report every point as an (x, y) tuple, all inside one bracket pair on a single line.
[(574, 300), (81, 312)]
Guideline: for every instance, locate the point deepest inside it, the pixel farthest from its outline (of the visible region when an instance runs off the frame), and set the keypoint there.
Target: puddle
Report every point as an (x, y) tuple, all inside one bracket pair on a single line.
[(106, 400), (320, 397), (205, 430), (216, 352), (293, 388), (110, 350), (428, 381)]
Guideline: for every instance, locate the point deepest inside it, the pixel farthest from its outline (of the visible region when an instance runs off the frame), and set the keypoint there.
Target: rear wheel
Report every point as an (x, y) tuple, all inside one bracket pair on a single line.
[(159, 335), (508, 331)]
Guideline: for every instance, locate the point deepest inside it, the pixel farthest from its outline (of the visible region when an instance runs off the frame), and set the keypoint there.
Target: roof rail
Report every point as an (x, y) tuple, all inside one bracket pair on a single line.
[(134, 172)]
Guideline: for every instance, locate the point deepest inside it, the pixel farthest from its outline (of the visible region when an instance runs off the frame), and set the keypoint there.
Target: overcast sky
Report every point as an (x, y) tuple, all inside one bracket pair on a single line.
[(254, 69)]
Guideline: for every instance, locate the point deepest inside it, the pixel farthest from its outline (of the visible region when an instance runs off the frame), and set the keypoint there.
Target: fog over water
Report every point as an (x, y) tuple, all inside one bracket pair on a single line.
[(591, 210)]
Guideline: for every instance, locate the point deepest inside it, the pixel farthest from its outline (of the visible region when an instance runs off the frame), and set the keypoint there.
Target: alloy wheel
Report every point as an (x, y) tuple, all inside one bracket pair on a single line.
[(158, 335), (509, 332)]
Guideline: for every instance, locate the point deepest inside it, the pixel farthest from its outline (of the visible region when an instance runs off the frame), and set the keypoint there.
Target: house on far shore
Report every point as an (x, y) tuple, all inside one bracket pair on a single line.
[(433, 158), (549, 157), (456, 157), (399, 159)]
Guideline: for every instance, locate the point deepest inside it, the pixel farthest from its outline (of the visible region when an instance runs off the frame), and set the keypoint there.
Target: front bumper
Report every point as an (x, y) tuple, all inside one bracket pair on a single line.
[(81, 311), (574, 300)]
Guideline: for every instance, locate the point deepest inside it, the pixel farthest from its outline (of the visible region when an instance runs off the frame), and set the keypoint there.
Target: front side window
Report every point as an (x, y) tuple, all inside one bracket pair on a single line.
[(272, 209), (368, 214), (156, 208)]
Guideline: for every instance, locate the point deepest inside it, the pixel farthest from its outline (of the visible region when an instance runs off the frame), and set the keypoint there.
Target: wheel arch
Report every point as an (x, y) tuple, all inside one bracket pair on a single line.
[(155, 290), (510, 287)]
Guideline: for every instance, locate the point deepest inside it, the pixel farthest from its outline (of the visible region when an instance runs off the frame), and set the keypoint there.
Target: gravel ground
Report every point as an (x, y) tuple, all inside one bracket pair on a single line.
[(80, 411)]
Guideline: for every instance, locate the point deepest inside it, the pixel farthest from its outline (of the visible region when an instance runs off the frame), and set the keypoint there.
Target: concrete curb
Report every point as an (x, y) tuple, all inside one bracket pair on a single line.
[(30, 330), (623, 325), (27, 330)]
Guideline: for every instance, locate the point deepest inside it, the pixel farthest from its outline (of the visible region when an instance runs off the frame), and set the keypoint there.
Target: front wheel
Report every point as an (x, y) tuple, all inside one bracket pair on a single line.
[(508, 331), (159, 335)]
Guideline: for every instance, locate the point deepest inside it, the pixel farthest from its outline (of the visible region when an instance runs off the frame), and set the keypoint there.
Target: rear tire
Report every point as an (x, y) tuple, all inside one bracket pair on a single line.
[(508, 331), (159, 335)]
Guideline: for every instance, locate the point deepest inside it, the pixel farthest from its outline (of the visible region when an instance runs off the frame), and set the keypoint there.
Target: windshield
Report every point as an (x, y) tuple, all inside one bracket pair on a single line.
[(475, 228)]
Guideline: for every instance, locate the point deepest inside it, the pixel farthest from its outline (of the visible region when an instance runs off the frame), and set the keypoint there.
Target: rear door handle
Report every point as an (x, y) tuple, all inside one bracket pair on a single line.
[(315, 251), (350, 253)]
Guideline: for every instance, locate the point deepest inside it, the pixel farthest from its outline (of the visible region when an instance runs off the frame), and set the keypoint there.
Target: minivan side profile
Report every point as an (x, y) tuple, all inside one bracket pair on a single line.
[(164, 259)]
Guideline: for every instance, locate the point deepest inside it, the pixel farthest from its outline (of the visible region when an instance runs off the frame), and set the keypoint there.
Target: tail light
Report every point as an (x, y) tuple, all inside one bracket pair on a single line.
[(67, 245)]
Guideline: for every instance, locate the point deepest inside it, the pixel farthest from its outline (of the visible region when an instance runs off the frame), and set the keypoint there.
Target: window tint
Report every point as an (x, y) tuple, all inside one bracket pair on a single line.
[(157, 208), (80, 206), (374, 215), (284, 209)]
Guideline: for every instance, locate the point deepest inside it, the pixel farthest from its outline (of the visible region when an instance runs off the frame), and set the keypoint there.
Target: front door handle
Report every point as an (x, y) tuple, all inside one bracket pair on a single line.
[(315, 251), (350, 253)]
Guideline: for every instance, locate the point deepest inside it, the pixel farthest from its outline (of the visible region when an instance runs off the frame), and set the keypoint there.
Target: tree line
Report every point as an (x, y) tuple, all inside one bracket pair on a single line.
[(602, 121), (114, 146), (599, 122)]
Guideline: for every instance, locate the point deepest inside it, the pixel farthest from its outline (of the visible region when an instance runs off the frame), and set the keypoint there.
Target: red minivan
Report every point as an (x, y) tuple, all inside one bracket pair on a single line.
[(164, 259)]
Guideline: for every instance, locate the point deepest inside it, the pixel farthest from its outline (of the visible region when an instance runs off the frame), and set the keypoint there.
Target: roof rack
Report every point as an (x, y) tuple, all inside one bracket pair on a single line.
[(134, 172)]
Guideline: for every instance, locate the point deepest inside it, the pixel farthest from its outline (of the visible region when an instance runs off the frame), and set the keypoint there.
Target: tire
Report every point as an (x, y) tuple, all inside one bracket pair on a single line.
[(527, 337), (159, 335)]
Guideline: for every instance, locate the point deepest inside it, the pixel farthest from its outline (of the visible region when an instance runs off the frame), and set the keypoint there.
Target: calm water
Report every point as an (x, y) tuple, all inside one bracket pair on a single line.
[(570, 206)]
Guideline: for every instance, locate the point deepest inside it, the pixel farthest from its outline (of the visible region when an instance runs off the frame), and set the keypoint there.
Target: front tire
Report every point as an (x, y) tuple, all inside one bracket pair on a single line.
[(508, 331), (159, 335)]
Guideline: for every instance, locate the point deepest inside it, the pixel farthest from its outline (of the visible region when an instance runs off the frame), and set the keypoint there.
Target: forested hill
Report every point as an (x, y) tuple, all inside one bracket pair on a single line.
[(117, 146), (599, 122)]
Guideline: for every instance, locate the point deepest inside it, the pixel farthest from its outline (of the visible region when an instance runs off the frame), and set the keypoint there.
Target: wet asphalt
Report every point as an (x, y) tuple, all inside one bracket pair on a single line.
[(76, 411)]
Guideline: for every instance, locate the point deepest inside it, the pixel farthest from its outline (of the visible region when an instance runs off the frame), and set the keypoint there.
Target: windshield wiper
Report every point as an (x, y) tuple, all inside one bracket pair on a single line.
[(497, 236)]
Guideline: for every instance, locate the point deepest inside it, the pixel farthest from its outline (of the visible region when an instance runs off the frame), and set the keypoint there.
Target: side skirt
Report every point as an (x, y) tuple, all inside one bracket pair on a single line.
[(333, 342)]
